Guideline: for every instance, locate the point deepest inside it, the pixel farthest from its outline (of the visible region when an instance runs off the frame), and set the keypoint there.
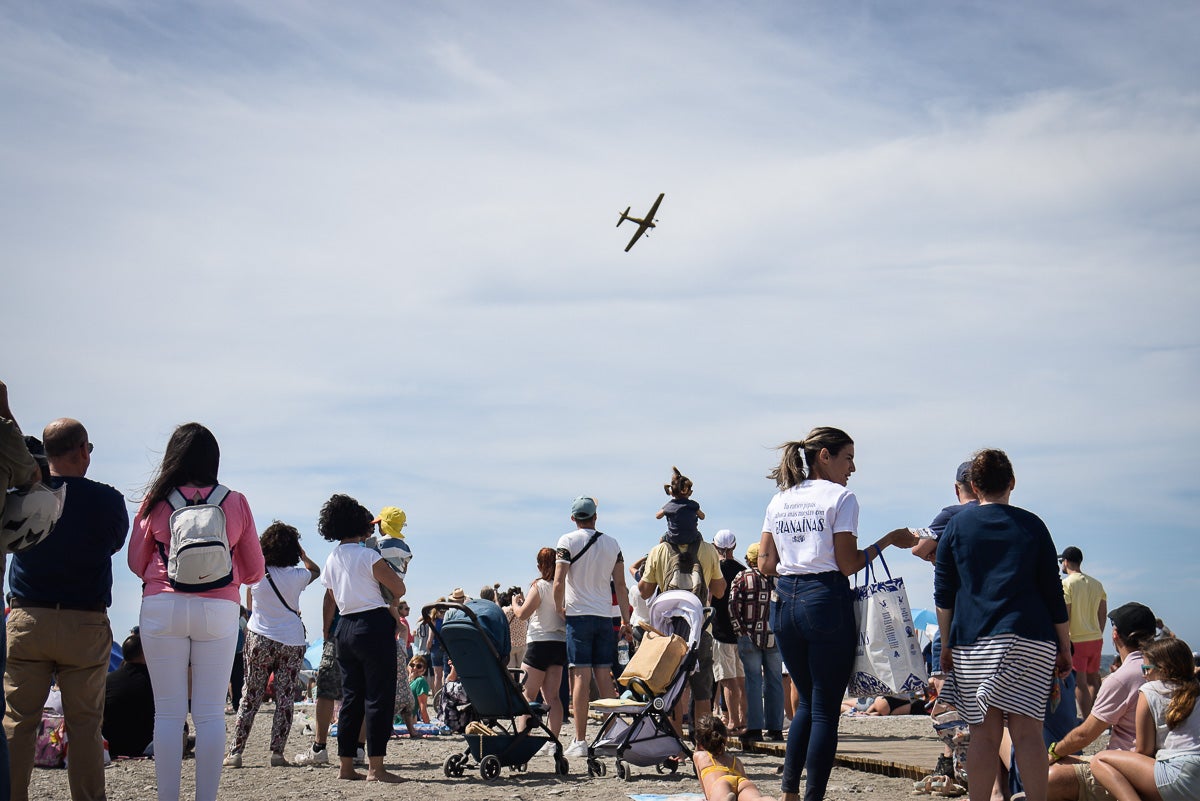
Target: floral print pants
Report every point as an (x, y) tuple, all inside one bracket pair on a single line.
[(264, 656)]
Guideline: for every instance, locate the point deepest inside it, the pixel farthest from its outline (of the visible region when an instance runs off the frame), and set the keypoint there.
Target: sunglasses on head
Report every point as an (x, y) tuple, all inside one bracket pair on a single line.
[(1147, 668)]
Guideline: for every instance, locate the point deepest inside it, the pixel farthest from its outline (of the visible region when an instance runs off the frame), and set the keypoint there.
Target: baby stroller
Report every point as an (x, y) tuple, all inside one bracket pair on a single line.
[(638, 728), (496, 701)]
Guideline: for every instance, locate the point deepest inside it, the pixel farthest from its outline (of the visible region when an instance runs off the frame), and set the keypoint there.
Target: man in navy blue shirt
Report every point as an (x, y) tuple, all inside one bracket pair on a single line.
[(58, 628)]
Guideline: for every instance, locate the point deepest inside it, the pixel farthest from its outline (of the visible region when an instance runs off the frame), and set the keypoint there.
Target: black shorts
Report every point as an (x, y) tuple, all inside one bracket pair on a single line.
[(545, 654)]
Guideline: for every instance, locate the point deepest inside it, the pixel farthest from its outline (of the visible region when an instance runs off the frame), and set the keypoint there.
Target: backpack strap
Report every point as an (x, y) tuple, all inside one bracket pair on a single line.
[(591, 541)]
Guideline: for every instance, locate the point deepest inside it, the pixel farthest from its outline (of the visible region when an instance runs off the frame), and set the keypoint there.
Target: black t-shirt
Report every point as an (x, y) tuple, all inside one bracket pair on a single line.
[(128, 710), (722, 623)]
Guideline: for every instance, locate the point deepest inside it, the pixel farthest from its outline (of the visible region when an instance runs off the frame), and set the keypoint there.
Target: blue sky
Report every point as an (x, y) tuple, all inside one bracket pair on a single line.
[(371, 246)]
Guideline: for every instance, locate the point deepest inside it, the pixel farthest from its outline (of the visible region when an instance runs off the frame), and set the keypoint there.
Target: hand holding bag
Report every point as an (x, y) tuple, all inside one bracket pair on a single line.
[(887, 660)]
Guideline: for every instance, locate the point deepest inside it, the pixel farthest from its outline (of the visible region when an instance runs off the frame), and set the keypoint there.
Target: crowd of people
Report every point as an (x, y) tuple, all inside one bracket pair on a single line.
[(774, 663)]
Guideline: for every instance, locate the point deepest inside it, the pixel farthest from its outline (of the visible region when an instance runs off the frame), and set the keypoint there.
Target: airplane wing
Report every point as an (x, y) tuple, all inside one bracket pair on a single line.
[(654, 209), (641, 230)]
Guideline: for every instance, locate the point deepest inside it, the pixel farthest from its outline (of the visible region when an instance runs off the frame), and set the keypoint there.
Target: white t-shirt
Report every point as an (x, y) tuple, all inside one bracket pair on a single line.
[(546, 624), (589, 581), (269, 617), (1183, 740), (803, 520), (348, 574)]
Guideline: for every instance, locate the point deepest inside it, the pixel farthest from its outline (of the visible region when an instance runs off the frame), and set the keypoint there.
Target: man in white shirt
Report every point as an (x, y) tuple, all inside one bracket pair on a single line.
[(589, 570)]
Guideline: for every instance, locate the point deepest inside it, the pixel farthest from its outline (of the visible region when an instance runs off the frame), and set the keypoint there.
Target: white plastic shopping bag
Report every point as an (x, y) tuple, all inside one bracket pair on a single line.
[(888, 658)]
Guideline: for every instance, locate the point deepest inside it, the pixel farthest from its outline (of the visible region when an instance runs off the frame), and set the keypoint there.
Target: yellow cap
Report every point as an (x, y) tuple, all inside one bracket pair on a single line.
[(391, 521), (752, 552)]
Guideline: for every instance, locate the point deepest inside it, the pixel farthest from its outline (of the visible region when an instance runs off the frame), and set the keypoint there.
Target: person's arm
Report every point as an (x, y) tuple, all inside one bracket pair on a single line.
[(660, 514), (141, 545), (530, 604), (618, 577), (1147, 736), (247, 551), (1079, 737), (945, 618), (735, 602), (560, 586), (1102, 613), (1063, 660), (717, 584), (314, 570), (21, 467), (850, 559), (328, 607), (249, 600), (699, 514), (768, 557), (383, 573)]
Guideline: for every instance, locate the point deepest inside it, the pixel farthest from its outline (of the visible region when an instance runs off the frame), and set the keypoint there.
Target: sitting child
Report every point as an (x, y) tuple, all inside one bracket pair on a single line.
[(722, 776)]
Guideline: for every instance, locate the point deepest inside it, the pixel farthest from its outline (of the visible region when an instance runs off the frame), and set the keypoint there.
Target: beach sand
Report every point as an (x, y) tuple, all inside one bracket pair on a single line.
[(421, 763)]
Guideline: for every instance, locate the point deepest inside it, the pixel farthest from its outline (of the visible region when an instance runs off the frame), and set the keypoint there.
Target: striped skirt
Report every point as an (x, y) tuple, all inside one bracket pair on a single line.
[(1005, 672)]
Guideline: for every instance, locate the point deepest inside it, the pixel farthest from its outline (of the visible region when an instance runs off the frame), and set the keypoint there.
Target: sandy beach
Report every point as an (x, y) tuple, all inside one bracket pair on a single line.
[(421, 763)]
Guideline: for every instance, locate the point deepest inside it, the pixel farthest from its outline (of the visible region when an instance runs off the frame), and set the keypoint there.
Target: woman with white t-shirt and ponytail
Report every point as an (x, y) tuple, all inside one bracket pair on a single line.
[(810, 541)]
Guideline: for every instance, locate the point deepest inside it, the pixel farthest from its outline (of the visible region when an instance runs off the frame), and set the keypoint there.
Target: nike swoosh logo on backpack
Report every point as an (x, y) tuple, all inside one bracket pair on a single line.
[(202, 578)]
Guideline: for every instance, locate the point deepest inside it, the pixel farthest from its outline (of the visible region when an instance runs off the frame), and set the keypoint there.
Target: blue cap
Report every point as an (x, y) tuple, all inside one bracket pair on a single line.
[(583, 508)]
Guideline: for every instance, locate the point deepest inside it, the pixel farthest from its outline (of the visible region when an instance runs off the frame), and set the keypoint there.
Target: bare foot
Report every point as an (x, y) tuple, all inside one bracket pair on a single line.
[(384, 776), (353, 775)]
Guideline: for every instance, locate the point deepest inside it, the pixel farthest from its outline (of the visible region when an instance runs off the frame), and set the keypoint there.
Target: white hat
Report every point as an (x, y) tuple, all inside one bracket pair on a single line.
[(725, 539)]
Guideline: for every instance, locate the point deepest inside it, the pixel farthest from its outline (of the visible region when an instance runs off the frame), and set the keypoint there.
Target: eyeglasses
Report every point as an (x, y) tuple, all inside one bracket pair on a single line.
[(1147, 668)]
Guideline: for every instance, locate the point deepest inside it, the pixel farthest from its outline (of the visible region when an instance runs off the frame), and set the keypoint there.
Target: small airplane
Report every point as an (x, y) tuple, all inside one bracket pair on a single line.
[(643, 224)]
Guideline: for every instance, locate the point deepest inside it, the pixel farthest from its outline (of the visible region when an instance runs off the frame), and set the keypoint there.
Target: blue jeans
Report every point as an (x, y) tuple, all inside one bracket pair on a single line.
[(764, 684), (814, 619)]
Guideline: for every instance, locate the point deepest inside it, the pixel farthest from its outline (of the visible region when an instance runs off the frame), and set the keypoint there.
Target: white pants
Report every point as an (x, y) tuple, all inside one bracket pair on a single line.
[(178, 630)]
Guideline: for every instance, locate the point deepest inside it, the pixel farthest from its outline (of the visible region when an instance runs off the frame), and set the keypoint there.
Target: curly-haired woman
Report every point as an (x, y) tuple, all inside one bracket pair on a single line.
[(275, 638), (366, 635)]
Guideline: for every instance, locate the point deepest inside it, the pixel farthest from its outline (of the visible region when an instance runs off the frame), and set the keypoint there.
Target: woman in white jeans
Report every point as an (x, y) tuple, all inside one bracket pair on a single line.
[(181, 627)]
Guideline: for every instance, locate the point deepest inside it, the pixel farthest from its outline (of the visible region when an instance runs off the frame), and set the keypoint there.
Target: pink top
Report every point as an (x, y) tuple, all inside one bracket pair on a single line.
[(1116, 703), (146, 562)]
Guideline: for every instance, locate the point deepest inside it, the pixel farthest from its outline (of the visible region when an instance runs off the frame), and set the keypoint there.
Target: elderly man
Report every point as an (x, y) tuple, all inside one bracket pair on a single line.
[(750, 609), (1115, 706), (58, 628), (727, 665)]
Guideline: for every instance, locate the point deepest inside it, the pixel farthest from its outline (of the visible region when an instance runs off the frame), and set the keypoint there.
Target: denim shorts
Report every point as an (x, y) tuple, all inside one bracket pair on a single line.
[(591, 641)]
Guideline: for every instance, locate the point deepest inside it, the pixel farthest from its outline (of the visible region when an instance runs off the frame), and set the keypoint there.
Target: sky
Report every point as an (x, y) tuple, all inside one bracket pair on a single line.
[(371, 246)]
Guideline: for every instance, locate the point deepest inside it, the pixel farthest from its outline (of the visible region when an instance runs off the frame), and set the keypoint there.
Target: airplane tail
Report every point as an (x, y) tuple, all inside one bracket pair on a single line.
[(624, 216)]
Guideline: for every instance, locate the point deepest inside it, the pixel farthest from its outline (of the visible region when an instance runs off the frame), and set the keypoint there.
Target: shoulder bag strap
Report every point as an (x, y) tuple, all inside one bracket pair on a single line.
[(279, 595), (591, 541)]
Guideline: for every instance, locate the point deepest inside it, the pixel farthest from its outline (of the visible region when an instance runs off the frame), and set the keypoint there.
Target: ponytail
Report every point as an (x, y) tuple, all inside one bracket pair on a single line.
[(791, 470)]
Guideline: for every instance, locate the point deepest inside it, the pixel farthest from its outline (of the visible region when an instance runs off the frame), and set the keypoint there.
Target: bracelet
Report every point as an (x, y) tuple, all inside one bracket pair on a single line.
[(1051, 752)]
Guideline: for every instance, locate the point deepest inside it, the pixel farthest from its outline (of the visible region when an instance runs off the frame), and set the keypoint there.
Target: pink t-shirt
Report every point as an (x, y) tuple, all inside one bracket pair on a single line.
[(1116, 703), (149, 529)]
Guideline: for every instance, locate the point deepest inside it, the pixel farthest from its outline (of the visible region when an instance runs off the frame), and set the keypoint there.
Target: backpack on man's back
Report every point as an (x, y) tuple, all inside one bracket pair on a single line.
[(199, 556), (684, 571)]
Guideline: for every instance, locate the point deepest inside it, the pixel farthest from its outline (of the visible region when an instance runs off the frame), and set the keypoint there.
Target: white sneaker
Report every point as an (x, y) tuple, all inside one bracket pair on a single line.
[(577, 748), (546, 750), (360, 757), (311, 757), (233, 761)]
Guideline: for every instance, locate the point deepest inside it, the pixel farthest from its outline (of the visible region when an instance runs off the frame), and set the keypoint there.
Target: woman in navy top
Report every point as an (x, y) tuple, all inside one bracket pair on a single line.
[(1001, 611)]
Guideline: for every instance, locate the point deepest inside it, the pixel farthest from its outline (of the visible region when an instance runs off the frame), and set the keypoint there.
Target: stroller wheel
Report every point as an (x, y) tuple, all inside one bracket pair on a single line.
[(623, 771), (489, 768), (561, 765), (451, 767), (667, 766), (524, 766)]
